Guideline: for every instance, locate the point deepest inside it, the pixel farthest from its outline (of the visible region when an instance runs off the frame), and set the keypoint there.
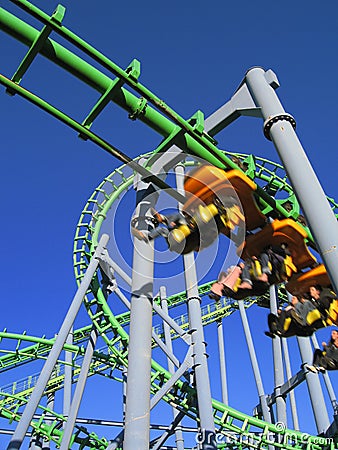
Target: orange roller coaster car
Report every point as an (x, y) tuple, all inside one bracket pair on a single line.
[(300, 283), (207, 183), (276, 233)]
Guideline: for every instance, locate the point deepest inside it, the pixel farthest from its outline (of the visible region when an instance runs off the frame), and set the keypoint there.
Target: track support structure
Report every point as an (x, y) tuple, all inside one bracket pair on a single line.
[(27, 415)]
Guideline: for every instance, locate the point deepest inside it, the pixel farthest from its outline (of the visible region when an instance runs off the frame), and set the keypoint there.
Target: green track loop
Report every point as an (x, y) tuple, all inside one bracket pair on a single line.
[(234, 425), (239, 429), (264, 172)]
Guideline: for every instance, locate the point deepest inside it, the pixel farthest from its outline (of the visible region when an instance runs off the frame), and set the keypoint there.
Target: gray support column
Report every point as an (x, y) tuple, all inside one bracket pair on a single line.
[(327, 381), (292, 393), (197, 339), (80, 386), (109, 266), (171, 367), (313, 384), (60, 340), (279, 127), (221, 350), (162, 439), (35, 442), (314, 387), (124, 391), (254, 363), (50, 405), (68, 380), (137, 416), (154, 335), (278, 365)]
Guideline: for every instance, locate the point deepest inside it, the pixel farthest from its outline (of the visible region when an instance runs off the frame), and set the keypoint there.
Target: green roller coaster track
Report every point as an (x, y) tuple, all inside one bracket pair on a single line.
[(113, 357), (240, 430)]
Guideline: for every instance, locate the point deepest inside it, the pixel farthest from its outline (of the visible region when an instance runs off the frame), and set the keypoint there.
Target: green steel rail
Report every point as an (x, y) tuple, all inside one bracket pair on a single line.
[(17, 357), (52, 431), (94, 215), (21, 390), (183, 397), (41, 347), (39, 350), (95, 211), (233, 424), (162, 119)]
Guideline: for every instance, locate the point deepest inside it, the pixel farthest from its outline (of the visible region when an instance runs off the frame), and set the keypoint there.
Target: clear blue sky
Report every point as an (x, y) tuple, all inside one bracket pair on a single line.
[(193, 55)]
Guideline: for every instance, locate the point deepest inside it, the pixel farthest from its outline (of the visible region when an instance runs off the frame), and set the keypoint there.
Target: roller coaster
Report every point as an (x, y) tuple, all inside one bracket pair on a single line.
[(141, 336)]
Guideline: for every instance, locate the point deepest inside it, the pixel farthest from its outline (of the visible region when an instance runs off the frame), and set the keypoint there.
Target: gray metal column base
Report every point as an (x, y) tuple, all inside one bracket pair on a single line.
[(60, 340), (314, 387), (198, 344)]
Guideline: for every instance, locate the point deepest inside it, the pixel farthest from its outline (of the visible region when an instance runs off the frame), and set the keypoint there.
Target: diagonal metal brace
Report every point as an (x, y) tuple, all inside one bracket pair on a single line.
[(38, 43), (187, 363), (241, 104), (103, 101), (110, 267), (156, 444), (133, 71), (285, 389)]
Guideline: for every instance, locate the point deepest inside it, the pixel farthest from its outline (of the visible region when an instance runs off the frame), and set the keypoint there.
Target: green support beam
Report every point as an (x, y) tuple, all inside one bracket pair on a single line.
[(194, 141), (151, 110)]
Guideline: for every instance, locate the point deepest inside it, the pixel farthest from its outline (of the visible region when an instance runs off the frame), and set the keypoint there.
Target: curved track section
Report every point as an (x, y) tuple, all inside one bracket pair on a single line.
[(262, 171), (238, 429)]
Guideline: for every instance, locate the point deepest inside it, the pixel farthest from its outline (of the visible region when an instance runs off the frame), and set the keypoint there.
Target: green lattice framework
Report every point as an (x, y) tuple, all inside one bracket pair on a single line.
[(114, 356), (265, 172), (237, 426)]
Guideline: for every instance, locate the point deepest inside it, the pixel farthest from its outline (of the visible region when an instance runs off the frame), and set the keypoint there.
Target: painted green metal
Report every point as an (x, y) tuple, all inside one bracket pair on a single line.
[(169, 124), (224, 416), (110, 328), (51, 431), (83, 131), (196, 140), (41, 347)]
